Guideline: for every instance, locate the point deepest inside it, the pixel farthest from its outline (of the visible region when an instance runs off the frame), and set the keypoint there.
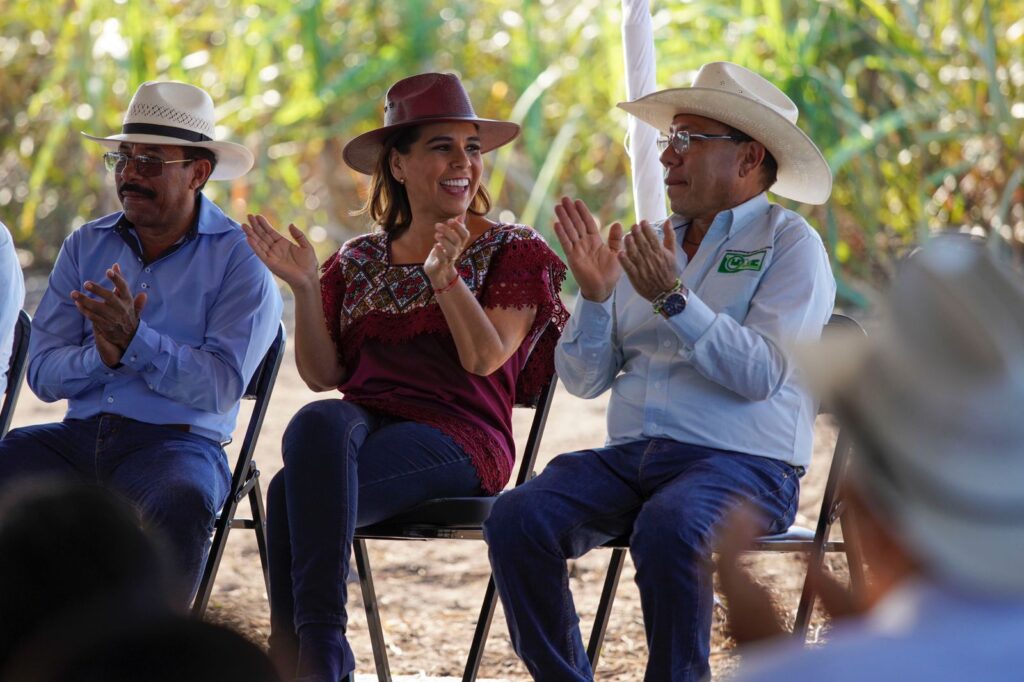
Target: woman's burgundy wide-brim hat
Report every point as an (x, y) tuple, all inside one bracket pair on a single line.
[(420, 100)]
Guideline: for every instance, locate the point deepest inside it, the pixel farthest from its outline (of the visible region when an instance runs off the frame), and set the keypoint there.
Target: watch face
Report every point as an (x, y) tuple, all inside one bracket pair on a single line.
[(674, 304)]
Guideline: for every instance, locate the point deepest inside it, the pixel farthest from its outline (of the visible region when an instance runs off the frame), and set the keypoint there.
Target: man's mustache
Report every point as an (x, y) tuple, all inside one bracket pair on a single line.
[(138, 189)]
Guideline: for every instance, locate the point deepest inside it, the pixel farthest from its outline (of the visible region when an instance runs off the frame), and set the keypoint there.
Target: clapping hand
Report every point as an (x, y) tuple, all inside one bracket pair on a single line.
[(114, 314), (450, 238), (650, 261), (594, 263), (294, 262)]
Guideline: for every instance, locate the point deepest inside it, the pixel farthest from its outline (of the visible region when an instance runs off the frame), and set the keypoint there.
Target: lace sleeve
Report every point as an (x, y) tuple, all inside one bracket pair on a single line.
[(526, 272), (332, 293)]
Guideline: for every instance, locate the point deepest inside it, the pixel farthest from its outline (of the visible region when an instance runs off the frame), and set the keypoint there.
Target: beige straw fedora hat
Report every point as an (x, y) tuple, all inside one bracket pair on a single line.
[(418, 100), (169, 112), (744, 100), (936, 401)]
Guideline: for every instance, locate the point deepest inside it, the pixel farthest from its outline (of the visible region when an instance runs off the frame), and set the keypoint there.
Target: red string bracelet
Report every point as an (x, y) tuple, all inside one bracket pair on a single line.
[(448, 286)]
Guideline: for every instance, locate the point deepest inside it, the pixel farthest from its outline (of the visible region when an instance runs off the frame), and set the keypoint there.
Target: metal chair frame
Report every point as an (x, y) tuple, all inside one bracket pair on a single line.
[(449, 519), (16, 370), (245, 480), (797, 539)]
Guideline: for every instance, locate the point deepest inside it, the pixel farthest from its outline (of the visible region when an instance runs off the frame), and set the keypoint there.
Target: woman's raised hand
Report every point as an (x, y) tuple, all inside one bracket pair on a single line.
[(450, 238), (294, 262)]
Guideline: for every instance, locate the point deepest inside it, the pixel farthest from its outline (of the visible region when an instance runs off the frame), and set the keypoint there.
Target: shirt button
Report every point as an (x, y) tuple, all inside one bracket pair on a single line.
[(134, 358), (667, 344), (149, 269), (110, 399), (149, 386), (145, 286)]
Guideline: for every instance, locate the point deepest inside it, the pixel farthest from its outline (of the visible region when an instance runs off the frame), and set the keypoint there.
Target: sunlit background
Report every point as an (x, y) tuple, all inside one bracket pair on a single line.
[(917, 105)]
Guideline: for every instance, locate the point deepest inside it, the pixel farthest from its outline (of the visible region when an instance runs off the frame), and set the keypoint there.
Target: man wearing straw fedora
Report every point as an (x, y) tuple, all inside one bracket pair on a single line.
[(933, 401), (154, 320), (705, 406)]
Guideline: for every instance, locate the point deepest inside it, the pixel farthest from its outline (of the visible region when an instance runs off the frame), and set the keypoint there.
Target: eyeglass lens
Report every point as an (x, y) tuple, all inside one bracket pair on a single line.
[(145, 166)]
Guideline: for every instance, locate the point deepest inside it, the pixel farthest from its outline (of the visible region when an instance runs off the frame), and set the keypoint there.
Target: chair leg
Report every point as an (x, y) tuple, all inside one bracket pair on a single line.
[(854, 555), (604, 607), (373, 624), (483, 627), (259, 516), (213, 557)]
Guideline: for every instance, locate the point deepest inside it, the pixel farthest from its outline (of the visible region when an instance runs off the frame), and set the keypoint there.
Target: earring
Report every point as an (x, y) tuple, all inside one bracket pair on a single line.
[(401, 180)]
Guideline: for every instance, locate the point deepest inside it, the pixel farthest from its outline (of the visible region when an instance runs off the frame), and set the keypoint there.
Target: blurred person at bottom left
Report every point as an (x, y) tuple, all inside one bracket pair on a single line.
[(87, 598), (68, 548)]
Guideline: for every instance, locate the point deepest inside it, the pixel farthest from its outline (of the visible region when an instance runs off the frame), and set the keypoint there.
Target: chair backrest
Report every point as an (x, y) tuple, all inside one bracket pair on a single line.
[(259, 389), (540, 419), (16, 371)]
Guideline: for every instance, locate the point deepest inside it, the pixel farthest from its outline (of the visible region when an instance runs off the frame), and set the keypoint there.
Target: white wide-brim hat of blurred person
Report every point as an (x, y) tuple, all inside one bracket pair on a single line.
[(740, 98), (174, 113), (935, 399)]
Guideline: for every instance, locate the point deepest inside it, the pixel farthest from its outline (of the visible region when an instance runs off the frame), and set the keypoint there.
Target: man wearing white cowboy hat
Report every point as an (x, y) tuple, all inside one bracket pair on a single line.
[(705, 407), (933, 400), (154, 320)]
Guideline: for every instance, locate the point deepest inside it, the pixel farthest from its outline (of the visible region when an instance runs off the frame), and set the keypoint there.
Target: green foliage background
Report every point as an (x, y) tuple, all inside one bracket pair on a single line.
[(917, 104)]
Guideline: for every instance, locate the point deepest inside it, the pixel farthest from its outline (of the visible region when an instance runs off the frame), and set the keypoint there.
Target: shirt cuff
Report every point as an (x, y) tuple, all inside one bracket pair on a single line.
[(695, 320), (143, 348), (591, 319), (98, 370)]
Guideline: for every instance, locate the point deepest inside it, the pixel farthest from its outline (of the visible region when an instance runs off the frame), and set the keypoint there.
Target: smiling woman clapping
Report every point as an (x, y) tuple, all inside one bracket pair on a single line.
[(430, 322)]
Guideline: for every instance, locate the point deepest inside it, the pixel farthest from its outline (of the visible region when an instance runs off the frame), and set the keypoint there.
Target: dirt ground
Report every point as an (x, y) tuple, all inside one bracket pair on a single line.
[(430, 592)]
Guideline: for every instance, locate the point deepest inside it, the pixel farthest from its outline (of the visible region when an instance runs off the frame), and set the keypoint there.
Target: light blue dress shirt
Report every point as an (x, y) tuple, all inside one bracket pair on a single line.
[(716, 374), (212, 311), (921, 630), (12, 298)]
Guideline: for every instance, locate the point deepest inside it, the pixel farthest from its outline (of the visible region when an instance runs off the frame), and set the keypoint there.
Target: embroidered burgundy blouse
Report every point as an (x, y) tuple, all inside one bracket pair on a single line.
[(399, 354)]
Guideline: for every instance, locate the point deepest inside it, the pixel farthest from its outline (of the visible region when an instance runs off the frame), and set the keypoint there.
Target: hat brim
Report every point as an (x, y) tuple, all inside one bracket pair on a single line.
[(233, 160), (803, 175), (362, 152)]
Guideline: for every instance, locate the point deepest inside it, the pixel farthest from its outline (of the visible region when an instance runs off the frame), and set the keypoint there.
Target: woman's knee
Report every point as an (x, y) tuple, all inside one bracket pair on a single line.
[(321, 428)]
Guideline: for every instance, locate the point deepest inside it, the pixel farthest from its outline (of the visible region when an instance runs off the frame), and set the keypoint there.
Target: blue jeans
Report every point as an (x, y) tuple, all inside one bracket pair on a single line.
[(344, 467), (668, 498), (177, 480)]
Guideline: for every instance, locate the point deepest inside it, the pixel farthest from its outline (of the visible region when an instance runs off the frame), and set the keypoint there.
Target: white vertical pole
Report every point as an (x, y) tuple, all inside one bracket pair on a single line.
[(638, 49)]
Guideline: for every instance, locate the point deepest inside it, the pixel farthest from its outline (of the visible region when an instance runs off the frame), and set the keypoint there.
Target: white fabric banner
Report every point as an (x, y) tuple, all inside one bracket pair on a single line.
[(638, 48)]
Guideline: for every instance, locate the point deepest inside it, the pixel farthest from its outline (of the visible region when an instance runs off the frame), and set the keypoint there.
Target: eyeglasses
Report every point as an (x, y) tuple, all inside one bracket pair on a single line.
[(146, 166), (680, 140)]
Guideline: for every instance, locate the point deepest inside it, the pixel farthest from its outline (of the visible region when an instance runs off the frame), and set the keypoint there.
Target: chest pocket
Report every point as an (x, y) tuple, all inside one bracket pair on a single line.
[(730, 293)]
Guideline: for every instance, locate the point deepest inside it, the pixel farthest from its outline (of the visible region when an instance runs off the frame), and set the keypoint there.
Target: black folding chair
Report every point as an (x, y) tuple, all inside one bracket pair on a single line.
[(453, 518), (16, 370), (797, 539), (245, 481)]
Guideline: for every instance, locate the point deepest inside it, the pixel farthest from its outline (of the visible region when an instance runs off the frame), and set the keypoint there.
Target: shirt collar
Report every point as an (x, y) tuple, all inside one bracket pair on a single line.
[(732, 220)]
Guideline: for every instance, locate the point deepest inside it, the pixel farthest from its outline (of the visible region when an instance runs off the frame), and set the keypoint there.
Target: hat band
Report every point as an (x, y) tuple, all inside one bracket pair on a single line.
[(166, 131)]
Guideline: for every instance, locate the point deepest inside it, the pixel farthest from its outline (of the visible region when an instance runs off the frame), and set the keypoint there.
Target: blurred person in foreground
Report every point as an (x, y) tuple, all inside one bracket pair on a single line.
[(66, 548), (934, 402), (432, 326), (154, 319), (705, 405), (86, 597), (12, 298)]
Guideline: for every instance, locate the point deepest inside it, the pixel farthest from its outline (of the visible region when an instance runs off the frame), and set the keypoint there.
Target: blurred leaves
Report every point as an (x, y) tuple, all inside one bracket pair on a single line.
[(918, 106)]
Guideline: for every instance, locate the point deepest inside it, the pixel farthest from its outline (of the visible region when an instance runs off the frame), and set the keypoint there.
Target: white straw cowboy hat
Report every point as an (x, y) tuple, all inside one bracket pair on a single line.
[(169, 112), (744, 100), (935, 399), (420, 100)]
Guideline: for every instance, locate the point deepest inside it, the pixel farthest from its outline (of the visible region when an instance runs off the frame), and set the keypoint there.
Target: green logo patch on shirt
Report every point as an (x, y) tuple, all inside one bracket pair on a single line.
[(737, 261)]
